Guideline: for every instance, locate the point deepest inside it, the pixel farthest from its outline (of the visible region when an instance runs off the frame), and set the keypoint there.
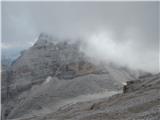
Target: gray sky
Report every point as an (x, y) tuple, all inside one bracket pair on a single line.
[(137, 22)]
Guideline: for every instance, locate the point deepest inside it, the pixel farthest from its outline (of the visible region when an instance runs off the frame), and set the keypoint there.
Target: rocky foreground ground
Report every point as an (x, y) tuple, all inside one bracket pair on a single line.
[(140, 101)]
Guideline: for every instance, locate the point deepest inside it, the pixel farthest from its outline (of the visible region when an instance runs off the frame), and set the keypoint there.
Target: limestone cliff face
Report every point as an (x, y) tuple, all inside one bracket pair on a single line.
[(48, 58)]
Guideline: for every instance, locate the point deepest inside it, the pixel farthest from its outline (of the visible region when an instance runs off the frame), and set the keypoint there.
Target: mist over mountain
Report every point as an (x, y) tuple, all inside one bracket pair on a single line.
[(110, 29), (103, 47), (80, 61)]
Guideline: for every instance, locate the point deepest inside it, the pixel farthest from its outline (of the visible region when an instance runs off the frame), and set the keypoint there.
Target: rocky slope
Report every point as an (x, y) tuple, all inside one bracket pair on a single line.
[(140, 101), (68, 72), (53, 91)]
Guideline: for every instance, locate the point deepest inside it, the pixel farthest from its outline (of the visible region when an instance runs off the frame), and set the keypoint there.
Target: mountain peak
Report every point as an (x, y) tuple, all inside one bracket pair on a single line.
[(43, 40), (44, 36)]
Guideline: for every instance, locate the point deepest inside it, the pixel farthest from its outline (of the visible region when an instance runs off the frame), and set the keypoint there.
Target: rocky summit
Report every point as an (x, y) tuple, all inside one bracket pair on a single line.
[(53, 79)]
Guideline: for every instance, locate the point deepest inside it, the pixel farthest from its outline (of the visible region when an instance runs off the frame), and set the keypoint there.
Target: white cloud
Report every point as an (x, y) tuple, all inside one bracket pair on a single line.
[(102, 47)]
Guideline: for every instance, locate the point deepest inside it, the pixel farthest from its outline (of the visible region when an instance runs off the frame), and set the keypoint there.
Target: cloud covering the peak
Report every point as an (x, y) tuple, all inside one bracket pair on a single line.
[(123, 32)]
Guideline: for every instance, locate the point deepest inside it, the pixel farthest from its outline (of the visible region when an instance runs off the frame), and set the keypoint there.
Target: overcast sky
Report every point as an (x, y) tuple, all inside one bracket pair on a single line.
[(136, 22)]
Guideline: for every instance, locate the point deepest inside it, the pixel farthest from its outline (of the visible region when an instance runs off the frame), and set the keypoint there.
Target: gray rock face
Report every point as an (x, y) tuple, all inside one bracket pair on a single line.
[(61, 60), (47, 57), (43, 59)]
